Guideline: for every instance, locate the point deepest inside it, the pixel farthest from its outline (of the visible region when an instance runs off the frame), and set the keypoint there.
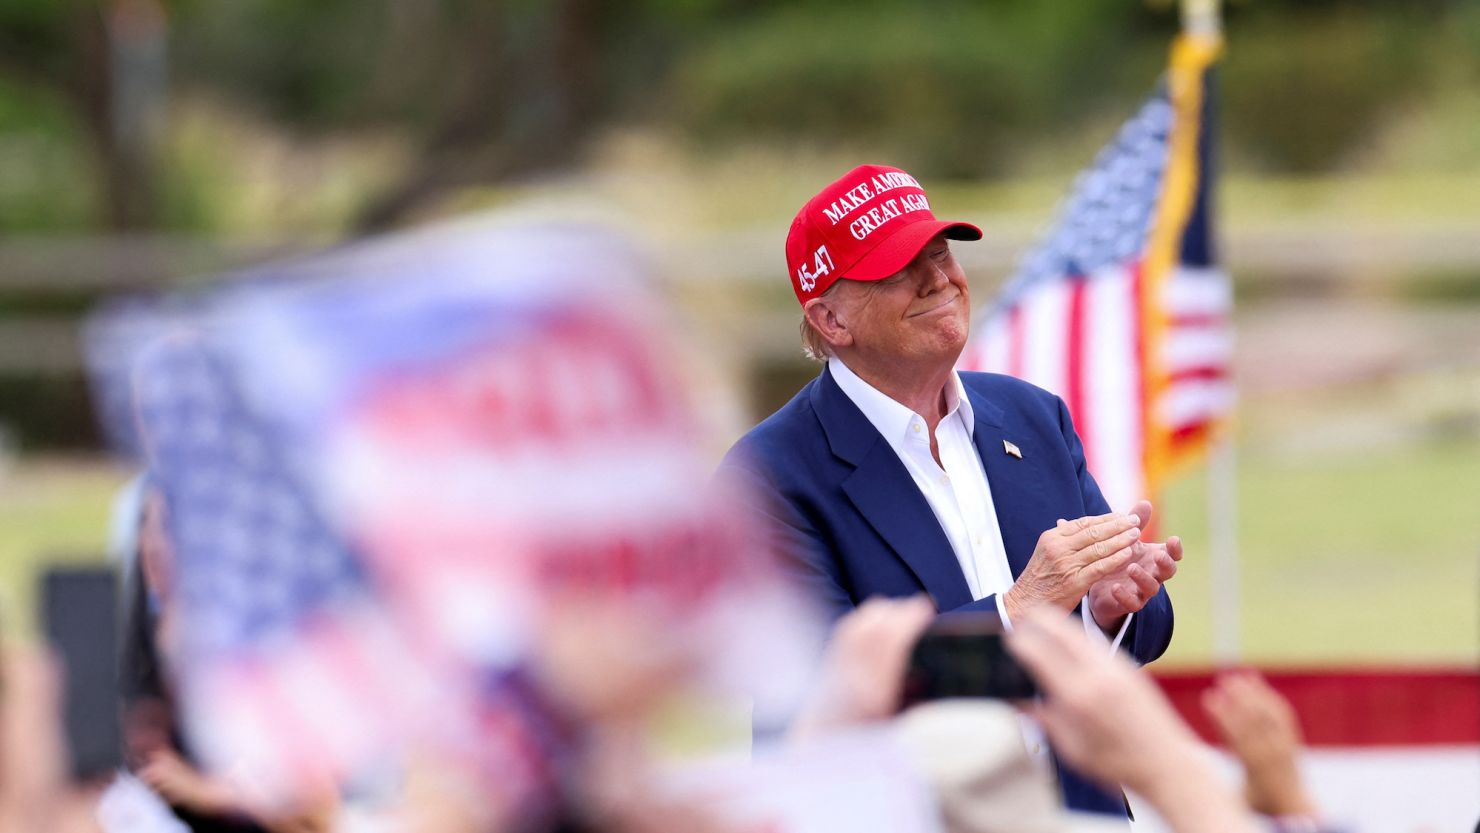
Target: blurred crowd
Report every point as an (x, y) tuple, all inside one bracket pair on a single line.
[(378, 576), (1102, 713)]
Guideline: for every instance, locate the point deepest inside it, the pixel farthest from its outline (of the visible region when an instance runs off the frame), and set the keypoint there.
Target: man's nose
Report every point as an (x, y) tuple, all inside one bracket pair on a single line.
[(932, 278)]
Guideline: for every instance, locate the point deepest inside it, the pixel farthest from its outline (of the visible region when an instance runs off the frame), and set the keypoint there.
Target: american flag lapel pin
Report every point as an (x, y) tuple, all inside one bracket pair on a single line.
[(1012, 450)]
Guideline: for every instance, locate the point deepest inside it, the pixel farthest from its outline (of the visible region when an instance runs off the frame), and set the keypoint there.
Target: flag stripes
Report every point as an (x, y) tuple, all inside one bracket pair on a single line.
[(1116, 310)]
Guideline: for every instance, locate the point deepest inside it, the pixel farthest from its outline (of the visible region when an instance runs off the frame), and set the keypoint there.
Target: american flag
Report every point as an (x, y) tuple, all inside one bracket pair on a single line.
[(1122, 309), (293, 677), (390, 470), (256, 571)]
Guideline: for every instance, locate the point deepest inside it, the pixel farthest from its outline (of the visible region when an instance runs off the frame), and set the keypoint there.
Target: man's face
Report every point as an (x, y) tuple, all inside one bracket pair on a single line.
[(920, 312)]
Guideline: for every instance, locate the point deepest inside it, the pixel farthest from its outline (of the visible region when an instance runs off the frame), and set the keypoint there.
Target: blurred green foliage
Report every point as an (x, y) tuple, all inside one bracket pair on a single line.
[(946, 88), (487, 92), (307, 63), (1444, 288), (48, 411), (43, 186), (1306, 88)]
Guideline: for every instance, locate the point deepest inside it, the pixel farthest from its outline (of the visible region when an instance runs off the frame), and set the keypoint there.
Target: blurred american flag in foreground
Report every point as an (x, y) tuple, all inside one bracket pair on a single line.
[(394, 470), (1122, 309), (272, 618)]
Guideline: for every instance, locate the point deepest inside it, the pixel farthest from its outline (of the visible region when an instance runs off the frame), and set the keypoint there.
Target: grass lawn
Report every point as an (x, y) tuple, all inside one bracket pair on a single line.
[(51, 510), (1369, 557)]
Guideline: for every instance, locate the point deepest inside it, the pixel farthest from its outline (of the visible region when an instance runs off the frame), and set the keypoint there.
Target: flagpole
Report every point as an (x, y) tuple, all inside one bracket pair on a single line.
[(1223, 549), (1202, 18)]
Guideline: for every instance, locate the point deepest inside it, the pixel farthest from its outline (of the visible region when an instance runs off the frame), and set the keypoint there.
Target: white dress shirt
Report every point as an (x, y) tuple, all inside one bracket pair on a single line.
[(956, 488), (961, 498)]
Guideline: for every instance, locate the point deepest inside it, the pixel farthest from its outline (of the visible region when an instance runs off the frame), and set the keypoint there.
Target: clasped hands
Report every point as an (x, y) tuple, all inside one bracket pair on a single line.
[(1103, 557)]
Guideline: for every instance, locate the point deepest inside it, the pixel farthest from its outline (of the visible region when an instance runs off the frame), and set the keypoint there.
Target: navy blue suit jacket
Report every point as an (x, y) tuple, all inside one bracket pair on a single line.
[(844, 514)]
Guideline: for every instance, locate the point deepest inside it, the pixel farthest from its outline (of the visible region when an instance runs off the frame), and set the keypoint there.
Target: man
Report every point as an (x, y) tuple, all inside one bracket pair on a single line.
[(891, 474)]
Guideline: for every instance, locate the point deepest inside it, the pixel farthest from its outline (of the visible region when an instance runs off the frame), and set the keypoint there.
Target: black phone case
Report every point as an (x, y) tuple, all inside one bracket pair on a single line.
[(80, 617), (955, 662)]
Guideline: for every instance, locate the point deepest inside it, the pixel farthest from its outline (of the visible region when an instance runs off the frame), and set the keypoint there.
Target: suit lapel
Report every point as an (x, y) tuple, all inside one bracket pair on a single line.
[(1015, 492), (888, 499), (883, 492)]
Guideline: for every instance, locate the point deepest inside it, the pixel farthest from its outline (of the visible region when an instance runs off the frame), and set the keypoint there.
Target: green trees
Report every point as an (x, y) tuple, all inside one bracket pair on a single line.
[(479, 92)]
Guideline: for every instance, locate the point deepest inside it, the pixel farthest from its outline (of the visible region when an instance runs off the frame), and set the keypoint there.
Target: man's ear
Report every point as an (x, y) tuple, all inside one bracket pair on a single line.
[(825, 316)]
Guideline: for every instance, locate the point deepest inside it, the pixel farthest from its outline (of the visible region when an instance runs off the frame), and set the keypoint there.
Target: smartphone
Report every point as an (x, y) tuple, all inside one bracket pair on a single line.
[(963, 656), (80, 618)]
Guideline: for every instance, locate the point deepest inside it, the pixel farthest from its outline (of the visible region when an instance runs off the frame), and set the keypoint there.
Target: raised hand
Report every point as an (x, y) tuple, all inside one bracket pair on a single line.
[(1261, 729), (1109, 720), (1072, 557), (863, 670), (1128, 589)]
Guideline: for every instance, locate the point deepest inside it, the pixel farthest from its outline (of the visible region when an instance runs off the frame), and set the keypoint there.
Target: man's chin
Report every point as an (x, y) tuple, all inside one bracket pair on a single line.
[(952, 344), (957, 333)]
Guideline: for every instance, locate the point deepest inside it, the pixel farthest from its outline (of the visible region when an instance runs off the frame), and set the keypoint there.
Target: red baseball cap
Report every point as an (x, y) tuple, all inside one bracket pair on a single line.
[(866, 226)]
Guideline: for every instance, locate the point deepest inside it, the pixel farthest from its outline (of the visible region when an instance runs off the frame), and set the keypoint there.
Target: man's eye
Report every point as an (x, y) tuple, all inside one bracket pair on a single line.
[(941, 254)]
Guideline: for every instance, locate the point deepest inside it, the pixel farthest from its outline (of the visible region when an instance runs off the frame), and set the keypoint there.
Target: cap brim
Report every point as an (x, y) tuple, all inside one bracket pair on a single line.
[(895, 252)]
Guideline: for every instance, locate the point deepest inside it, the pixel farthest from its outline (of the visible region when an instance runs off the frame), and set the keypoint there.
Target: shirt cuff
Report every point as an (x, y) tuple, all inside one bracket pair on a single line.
[(1002, 611), (1092, 628)]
